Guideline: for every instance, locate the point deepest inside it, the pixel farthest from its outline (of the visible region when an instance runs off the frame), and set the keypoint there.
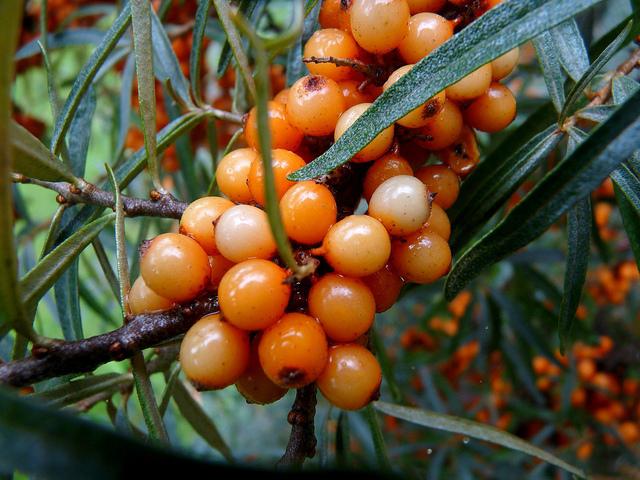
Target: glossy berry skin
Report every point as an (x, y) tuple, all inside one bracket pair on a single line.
[(439, 222), (443, 129), (493, 111), (175, 267), (243, 232), (283, 163), (401, 204), (253, 294), (233, 172), (314, 105), (335, 14), (294, 351), (463, 155), (352, 377), (441, 181), (198, 221), (353, 96), (387, 166), (379, 25), (421, 115), (471, 86), (377, 147), (282, 96), (219, 266), (214, 353), (144, 300), (426, 32), (385, 285), (331, 42), (308, 210), (283, 134), (254, 385), (344, 306), (419, 6), (502, 66), (421, 257)]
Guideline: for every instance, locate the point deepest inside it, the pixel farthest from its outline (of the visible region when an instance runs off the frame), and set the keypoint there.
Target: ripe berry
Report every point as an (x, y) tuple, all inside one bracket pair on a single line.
[(254, 385), (441, 181), (219, 266), (331, 42), (308, 210), (505, 64), (401, 204), (385, 285), (421, 115), (243, 232), (377, 147), (353, 95), (233, 172), (387, 166), (471, 86), (283, 163), (283, 134), (351, 378), (294, 351), (379, 25), (214, 353), (418, 6), (253, 294), (463, 156), (175, 267), (144, 300), (421, 257), (335, 14), (439, 222), (198, 219), (344, 306), (426, 32), (443, 129), (282, 96), (492, 111), (315, 103), (357, 245)]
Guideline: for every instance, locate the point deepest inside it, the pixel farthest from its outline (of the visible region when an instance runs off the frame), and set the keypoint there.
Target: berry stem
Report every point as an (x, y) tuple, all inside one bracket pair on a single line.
[(302, 441), (376, 73)]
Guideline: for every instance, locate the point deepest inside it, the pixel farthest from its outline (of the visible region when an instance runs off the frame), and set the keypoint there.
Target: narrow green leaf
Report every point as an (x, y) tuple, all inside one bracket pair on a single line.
[(378, 438), (170, 379), (124, 105), (623, 87), (64, 38), (80, 133), (247, 8), (597, 113), (67, 295), (629, 185), (571, 49), (473, 429), (630, 220), (385, 365), (549, 59), (296, 68), (495, 33), (343, 440), (77, 390), (607, 146), (107, 270), (202, 15), (121, 244), (147, 399)]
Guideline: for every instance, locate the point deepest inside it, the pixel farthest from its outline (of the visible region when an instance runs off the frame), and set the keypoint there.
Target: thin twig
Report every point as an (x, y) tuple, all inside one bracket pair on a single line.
[(377, 73), (302, 441)]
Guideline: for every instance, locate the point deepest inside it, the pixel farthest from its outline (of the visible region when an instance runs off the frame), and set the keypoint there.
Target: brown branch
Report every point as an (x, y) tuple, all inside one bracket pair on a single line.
[(377, 73), (602, 95), (302, 441)]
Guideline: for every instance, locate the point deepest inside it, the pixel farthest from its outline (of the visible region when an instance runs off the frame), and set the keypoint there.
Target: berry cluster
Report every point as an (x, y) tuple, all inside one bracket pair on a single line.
[(275, 331)]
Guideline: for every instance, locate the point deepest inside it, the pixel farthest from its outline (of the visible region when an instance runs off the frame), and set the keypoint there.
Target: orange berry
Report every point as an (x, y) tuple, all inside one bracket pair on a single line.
[(353, 95), (331, 42), (439, 222), (198, 220), (441, 181), (422, 257), (443, 129), (283, 134), (505, 64), (629, 431), (214, 353), (471, 86), (175, 267), (578, 397), (418, 6), (335, 14), (379, 25), (377, 147), (492, 111), (351, 378), (463, 156), (294, 351), (425, 32), (586, 369), (387, 166), (585, 451), (243, 232), (541, 365), (282, 96), (315, 103), (385, 285), (144, 300), (357, 245), (308, 210), (232, 174), (283, 163), (219, 266), (254, 385)]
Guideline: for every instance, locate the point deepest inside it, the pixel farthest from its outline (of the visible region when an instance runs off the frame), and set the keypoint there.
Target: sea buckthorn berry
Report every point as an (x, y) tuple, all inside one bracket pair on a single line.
[(283, 163), (282, 96), (463, 156), (294, 351), (357, 245), (353, 95), (421, 115), (175, 267), (439, 222), (441, 181), (315, 103), (385, 284), (443, 129), (352, 377), (471, 86), (426, 32), (421, 257), (492, 111), (401, 204), (379, 25), (214, 353), (377, 147), (419, 6), (219, 266), (283, 134), (345, 307), (198, 219), (253, 294), (243, 232), (144, 300), (505, 64), (308, 210), (233, 172), (387, 166), (335, 14), (331, 42), (254, 385)]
